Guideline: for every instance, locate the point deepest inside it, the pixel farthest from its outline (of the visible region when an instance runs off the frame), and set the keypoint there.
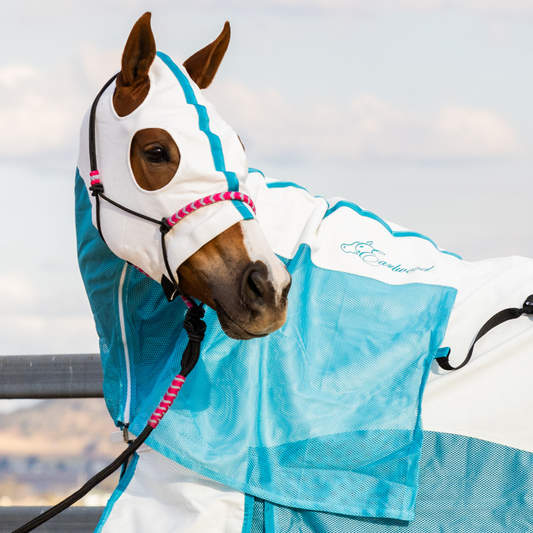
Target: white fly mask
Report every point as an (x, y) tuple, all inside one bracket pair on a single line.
[(212, 161)]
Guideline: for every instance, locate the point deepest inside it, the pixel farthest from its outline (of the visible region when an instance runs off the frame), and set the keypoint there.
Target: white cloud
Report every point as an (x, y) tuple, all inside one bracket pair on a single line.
[(37, 110), (44, 315), (38, 333), (42, 110), (41, 113), (16, 292), (492, 8), (134, 8), (482, 7), (367, 129)]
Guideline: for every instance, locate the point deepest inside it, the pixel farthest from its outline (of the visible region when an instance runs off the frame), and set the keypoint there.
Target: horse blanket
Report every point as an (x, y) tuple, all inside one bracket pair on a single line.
[(340, 421)]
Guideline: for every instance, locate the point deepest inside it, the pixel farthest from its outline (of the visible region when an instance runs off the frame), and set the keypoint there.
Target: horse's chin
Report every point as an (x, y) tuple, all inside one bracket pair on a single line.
[(232, 329)]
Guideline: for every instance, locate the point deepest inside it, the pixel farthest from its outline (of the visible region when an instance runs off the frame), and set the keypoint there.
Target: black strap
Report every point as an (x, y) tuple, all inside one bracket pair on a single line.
[(496, 320), (92, 125), (195, 328)]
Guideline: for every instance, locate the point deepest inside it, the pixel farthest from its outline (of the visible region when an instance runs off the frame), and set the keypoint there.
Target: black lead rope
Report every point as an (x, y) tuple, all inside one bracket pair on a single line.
[(98, 188), (496, 320), (195, 328)]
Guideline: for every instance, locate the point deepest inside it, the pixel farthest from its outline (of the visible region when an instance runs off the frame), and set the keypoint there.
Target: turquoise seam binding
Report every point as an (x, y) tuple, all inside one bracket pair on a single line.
[(362, 212)]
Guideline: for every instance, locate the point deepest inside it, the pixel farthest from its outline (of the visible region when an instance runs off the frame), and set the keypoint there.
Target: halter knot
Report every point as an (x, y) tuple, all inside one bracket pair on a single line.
[(164, 227), (96, 188), (527, 308), (194, 325)]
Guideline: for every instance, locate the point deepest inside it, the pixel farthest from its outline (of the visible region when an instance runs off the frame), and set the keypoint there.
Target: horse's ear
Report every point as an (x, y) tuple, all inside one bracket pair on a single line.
[(203, 65), (139, 53)]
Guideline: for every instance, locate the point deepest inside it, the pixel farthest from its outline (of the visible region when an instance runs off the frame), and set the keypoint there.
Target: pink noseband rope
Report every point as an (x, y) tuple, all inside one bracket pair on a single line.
[(194, 206), (209, 200)]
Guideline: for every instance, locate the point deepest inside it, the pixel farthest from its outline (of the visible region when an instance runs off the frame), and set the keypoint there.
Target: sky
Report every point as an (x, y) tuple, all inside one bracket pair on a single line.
[(418, 110)]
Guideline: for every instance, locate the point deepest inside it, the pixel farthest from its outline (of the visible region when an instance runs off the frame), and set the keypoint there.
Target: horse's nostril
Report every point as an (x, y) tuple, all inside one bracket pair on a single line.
[(255, 286), (254, 280)]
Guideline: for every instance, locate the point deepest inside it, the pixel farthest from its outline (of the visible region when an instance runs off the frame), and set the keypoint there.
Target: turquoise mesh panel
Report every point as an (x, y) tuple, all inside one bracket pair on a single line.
[(322, 414), (101, 270), (466, 486)]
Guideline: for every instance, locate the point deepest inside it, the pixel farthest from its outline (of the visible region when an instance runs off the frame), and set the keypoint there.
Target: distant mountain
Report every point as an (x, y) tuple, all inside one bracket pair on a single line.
[(50, 449), (59, 428)]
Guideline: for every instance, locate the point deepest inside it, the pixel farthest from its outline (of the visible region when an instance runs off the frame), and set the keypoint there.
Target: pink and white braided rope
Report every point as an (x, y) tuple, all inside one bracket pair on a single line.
[(167, 401), (209, 200), (197, 204)]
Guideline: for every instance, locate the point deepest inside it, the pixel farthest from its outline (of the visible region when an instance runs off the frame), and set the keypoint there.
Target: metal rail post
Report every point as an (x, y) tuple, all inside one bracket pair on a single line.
[(45, 377)]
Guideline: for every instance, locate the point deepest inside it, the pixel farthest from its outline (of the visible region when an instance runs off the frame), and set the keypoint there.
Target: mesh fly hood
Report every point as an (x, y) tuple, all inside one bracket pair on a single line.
[(212, 161)]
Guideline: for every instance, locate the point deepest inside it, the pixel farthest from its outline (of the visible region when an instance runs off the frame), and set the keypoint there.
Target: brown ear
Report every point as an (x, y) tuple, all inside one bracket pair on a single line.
[(133, 83), (203, 65)]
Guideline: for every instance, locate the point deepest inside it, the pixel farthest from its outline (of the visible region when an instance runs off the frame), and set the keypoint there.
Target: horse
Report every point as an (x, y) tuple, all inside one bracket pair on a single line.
[(315, 409)]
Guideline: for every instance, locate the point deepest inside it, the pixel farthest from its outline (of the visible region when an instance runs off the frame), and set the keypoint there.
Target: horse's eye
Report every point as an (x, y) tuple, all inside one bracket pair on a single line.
[(156, 155)]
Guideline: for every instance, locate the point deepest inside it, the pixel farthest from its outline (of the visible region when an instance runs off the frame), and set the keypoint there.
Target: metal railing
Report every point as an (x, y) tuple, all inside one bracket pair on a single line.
[(45, 377)]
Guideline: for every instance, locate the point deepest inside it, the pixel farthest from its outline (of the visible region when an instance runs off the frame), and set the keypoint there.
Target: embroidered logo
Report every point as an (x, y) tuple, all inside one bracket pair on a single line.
[(376, 258)]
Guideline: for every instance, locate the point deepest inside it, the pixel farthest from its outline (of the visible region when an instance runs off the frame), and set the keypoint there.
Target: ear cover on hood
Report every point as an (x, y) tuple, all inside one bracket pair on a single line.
[(212, 161)]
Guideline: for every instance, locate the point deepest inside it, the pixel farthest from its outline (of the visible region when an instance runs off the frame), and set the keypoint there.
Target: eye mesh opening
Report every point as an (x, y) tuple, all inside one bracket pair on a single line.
[(153, 175)]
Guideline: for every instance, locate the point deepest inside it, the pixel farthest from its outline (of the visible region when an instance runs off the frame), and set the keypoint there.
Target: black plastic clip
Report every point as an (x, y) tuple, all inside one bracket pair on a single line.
[(165, 227), (96, 189), (527, 308)]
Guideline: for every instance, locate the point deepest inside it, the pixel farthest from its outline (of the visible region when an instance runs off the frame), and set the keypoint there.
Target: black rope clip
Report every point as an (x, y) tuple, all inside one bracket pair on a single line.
[(194, 325), (97, 189), (195, 328), (527, 308), (164, 226)]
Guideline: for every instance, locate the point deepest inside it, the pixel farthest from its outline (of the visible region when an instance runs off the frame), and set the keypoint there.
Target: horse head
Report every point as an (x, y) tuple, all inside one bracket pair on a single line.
[(161, 146)]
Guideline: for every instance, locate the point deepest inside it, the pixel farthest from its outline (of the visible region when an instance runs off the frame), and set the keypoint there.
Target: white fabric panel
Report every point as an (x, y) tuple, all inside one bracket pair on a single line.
[(492, 397), (290, 216), (165, 497)]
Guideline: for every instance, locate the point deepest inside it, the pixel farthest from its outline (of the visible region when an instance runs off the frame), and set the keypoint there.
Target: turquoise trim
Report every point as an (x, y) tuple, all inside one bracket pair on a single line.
[(248, 513), (443, 352), (203, 123), (250, 169), (362, 212), (284, 184), (243, 210), (373, 216), (270, 519), (121, 487)]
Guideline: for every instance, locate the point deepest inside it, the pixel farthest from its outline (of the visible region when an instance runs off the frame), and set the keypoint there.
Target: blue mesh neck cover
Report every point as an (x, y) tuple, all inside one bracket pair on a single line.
[(323, 414)]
